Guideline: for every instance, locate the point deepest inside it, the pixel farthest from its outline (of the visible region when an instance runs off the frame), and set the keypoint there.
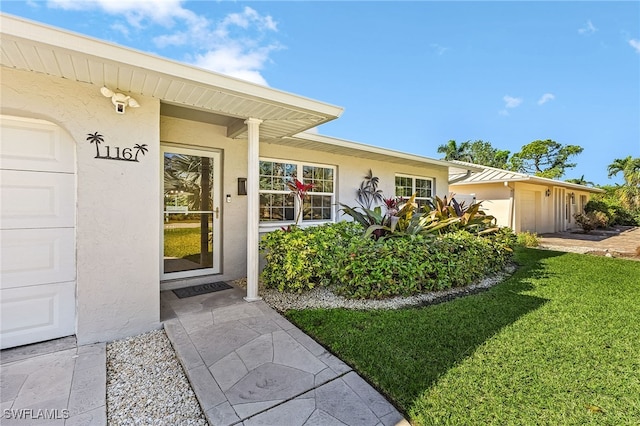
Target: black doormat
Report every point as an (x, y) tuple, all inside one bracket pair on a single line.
[(197, 290)]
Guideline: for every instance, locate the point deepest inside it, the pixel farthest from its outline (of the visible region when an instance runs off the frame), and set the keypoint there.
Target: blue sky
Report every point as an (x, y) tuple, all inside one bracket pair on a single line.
[(410, 75)]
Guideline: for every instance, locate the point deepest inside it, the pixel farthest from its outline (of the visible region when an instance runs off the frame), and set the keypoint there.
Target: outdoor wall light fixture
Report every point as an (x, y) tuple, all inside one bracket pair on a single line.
[(119, 100), (573, 197), (242, 186), (547, 192)]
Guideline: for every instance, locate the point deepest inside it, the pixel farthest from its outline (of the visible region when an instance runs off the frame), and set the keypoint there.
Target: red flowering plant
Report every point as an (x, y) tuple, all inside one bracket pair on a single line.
[(299, 190)]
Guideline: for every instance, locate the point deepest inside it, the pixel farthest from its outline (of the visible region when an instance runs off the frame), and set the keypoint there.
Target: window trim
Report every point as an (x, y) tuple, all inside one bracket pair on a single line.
[(413, 185), (276, 224)]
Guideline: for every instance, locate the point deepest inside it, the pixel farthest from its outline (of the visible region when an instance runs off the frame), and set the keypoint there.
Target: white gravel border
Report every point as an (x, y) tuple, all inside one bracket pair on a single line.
[(324, 298), (146, 384)]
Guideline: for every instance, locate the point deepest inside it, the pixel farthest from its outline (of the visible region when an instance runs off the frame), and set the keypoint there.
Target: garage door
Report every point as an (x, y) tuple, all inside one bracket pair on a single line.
[(37, 230), (528, 211)]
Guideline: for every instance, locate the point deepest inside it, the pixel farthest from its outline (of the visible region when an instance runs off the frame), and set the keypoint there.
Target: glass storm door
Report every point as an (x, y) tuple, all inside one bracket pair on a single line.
[(191, 212)]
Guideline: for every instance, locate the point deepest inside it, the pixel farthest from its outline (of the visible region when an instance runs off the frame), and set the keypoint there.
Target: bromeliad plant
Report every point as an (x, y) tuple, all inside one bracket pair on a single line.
[(299, 190), (458, 216), (401, 218)]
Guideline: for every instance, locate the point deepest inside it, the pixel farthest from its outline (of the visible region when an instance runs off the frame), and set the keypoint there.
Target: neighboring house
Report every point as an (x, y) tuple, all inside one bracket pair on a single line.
[(523, 202), (98, 191)]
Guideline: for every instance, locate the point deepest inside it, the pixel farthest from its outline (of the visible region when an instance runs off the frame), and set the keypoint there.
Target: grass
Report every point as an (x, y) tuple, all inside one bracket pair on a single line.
[(557, 343), (183, 243)]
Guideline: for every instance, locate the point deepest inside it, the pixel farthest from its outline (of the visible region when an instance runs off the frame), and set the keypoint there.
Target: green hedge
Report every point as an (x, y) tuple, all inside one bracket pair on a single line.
[(336, 254), (300, 259), (406, 266)]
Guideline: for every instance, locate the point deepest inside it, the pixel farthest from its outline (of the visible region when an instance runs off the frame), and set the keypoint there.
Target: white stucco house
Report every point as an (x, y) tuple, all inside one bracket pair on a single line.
[(521, 201), (124, 174)]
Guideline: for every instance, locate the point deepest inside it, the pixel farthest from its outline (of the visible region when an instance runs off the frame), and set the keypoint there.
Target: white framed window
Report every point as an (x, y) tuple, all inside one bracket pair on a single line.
[(407, 185), (277, 205)]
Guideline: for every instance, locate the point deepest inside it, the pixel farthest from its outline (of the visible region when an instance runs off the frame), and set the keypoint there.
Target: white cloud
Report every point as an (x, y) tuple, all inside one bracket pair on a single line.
[(438, 48), (235, 45), (588, 28), (138, 13), (503, 112), (511, 102), (236, 61), (635, 44), (546, 98)]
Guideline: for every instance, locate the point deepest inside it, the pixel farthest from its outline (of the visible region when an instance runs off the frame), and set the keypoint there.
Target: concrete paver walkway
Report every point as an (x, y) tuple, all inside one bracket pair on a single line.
[(627, 240), (250, 366), (47, 385)]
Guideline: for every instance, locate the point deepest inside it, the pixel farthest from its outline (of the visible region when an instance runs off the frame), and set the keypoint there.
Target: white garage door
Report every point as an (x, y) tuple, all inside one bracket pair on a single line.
[(528, 211), (37, 232)]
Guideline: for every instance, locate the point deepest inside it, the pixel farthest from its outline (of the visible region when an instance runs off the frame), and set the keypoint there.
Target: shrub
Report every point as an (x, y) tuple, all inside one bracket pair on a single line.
[(527, 239), (615, 211), (591, 220), (299, 259), (415, 264)]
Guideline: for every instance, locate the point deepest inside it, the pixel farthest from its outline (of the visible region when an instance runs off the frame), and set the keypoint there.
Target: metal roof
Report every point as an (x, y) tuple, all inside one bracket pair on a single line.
[(493, 175), (31, 46)]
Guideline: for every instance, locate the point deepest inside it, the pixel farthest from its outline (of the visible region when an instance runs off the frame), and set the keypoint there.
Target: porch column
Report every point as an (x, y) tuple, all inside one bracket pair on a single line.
[(253, 208)]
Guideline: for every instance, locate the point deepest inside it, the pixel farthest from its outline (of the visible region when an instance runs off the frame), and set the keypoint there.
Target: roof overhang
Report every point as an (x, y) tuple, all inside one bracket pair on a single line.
[(317, 142), (31, 46), (490, 175)]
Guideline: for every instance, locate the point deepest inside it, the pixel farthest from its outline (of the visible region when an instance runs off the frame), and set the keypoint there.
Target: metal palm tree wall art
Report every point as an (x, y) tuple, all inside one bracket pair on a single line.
[(115, 153)]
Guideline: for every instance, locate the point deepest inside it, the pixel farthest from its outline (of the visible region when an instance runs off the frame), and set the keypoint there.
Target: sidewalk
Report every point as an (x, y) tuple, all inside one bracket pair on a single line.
[(54, 383), (250, 366)]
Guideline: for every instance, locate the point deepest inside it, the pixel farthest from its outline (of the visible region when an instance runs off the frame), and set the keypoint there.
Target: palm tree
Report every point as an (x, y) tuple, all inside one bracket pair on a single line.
[(140, 148), (453, 151), (97, 139), (629, 192), (630, 168), (581, 181)]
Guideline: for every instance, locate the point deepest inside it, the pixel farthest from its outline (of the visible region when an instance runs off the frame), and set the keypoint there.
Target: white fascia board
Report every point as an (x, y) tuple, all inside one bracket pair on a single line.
[(29, 30), (328, 140), (553, 182)]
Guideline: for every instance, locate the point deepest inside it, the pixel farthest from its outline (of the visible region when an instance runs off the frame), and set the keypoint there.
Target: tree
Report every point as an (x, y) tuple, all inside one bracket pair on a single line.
[(483, 153), (453, 151), (477, 152), (544, 158), (629, 192), (580, 181)]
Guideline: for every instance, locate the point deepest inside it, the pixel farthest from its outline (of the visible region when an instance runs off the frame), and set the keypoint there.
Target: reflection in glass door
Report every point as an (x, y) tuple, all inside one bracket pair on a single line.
[(191, 213)]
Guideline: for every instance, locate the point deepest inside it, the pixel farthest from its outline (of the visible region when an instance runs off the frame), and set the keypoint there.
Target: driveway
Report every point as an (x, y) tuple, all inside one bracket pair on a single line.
[(623, 241)]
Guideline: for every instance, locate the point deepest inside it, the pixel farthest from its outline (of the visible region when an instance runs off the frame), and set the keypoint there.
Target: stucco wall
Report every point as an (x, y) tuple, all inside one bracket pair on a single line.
[(495, 198), (117, 236), (548, 209), (351, 170)]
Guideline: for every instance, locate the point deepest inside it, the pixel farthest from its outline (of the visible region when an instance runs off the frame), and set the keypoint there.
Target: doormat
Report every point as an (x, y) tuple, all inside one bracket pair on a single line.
[(197, 290)]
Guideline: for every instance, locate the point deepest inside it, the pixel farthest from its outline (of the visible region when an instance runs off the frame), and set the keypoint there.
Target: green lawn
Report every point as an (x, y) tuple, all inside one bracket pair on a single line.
[(556, 344), (183, 243)]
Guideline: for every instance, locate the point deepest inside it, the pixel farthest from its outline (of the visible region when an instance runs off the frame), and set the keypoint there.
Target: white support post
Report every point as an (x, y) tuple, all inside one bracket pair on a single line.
[(253, 208)]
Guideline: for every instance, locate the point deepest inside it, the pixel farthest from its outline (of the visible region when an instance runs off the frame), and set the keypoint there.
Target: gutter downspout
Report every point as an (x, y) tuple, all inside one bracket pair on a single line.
[(511, 204)]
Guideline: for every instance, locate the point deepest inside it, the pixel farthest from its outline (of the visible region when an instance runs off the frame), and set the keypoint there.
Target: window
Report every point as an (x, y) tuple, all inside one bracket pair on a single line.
[(276, 202), (406, 186)]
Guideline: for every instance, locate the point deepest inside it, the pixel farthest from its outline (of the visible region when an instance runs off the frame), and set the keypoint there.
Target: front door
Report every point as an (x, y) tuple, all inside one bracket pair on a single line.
[(191, 212)]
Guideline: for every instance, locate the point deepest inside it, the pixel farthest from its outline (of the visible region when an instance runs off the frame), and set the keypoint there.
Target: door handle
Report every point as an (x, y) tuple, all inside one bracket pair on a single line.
[(217, 211)]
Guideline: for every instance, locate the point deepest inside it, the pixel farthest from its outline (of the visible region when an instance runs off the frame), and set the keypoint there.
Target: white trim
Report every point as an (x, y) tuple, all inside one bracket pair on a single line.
[(253, 205), (413, 185), (267, 225)]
